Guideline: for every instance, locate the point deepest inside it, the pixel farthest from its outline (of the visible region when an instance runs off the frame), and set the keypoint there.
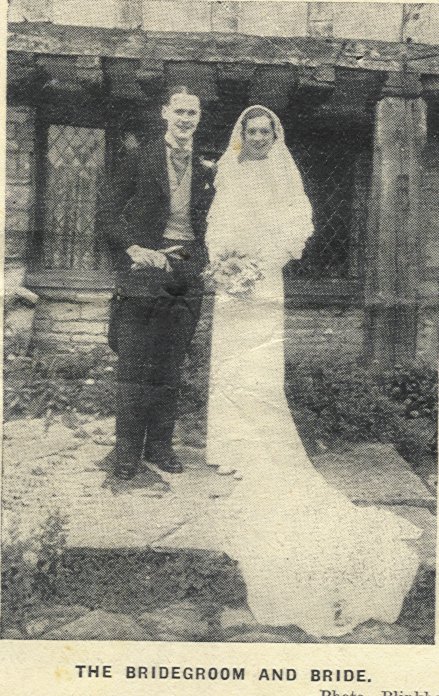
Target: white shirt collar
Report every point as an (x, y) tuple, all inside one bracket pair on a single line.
[(169, 138)]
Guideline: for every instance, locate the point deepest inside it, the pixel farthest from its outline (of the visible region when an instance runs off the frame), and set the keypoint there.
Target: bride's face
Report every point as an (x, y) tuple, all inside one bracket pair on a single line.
[(258, 137)]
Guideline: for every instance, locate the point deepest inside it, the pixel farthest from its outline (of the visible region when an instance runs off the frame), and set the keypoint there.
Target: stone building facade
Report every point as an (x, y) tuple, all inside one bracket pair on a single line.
[(356, 86)]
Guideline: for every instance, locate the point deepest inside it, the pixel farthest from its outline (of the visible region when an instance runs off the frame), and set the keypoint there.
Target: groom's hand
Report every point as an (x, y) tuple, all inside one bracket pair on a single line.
[(147, 258)]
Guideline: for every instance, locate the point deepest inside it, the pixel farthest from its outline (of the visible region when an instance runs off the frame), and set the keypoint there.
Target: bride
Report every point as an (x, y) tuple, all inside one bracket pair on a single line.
[(309, 556)]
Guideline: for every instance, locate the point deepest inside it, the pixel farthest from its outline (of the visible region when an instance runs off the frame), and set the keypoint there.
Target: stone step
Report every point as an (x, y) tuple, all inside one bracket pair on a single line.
[(373, 473), (99, 625)]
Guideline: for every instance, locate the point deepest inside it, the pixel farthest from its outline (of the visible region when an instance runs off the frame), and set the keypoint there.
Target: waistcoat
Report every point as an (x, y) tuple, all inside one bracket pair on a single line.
[(179, 224)]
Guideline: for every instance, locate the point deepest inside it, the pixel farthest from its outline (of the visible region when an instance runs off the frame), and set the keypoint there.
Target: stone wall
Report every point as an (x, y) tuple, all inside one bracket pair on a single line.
[(323, 332), (80, 323), (353, 20), (69, 322)]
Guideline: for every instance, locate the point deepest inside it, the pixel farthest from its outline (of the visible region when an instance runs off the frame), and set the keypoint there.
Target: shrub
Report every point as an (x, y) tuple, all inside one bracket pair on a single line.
[(17, 585), (345, 401), (30, 569), (210, 578), (42, 384), (413, 386), (52, 542)]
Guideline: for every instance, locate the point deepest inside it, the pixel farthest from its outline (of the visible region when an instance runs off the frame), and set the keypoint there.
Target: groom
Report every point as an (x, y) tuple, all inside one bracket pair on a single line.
[(160, 200)]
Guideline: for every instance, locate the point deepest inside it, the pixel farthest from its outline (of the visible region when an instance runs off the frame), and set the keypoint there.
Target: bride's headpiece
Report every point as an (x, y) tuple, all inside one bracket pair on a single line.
[(236, 139), (283, 167), (278, 174)]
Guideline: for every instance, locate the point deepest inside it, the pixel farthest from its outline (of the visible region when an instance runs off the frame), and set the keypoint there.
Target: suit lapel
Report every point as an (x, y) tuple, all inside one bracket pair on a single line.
[(158, 165), (198, 178)]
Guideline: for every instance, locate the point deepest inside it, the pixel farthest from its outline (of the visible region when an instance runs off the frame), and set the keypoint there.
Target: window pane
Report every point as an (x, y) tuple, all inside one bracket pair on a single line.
[(74, 174)]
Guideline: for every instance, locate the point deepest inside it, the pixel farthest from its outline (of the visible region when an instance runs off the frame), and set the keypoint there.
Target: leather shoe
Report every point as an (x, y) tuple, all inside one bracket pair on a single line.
[(125, 472), (166, 462)]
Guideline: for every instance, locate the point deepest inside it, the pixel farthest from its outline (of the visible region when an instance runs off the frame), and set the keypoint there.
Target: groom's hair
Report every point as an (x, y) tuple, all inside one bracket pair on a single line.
[(178, 89), (256, 112)]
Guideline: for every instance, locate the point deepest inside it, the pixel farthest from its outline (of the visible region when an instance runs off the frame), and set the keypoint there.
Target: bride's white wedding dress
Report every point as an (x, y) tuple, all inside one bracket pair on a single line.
[(309, 556)]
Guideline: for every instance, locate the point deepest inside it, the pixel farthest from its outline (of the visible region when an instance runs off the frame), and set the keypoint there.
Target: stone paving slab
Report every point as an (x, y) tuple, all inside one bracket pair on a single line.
[(53, 618), (373, 473), (31, 441), (55, 469), (99, 625), (422, 518)]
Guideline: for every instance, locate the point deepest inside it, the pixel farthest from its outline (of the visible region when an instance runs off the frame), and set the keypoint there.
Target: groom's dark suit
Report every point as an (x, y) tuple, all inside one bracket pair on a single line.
[(154, 312)]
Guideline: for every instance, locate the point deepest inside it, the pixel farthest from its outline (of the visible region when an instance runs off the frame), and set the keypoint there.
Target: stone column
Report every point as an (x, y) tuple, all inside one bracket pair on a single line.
[(394, 230), (19, 225), (20, 193)]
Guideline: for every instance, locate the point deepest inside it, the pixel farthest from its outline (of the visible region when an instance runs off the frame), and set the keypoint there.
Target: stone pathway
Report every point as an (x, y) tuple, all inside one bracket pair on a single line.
[(57, 469), (71, 470), (375, 474)]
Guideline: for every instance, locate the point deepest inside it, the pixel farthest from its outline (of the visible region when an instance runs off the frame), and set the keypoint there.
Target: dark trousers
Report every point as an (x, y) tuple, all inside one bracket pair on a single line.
[(151, 336)]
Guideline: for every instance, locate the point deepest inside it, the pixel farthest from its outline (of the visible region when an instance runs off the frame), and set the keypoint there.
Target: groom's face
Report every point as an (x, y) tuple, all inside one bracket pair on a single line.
[(182, 115)]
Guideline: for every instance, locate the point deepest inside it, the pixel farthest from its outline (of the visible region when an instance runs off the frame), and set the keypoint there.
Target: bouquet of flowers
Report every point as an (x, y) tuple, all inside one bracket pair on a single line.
[(234, 273)]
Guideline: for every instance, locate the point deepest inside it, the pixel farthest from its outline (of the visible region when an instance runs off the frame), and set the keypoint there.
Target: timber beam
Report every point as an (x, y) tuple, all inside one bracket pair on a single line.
[(46, 79), (42, 77), (331, 98), (26, 77), (34, 37), (70, 74)]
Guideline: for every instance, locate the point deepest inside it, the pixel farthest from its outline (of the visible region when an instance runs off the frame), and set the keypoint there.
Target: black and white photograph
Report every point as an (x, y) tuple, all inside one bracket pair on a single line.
[(220, 322)]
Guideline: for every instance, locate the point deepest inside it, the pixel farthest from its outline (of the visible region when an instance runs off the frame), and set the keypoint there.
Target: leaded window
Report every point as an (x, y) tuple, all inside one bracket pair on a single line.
[(74, 168)]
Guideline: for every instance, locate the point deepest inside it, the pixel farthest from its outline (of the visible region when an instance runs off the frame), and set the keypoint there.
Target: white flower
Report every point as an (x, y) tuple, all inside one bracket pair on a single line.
[(209, 164), (235, 273)]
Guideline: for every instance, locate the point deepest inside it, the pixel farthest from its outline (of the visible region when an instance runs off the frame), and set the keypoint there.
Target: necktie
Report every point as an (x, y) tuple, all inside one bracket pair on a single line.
[(180, 160)]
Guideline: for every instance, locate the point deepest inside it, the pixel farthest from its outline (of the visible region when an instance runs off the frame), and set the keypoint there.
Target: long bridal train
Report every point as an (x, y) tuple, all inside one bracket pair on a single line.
[(309, 556)]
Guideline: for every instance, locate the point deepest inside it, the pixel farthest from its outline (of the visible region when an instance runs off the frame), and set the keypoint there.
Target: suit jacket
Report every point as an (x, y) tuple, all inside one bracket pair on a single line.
[(136, 209)]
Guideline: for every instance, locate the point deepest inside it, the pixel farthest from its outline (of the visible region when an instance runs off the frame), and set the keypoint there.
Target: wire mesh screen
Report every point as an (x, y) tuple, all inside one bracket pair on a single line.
[(430, 194), (74, 165), (328, 172)]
